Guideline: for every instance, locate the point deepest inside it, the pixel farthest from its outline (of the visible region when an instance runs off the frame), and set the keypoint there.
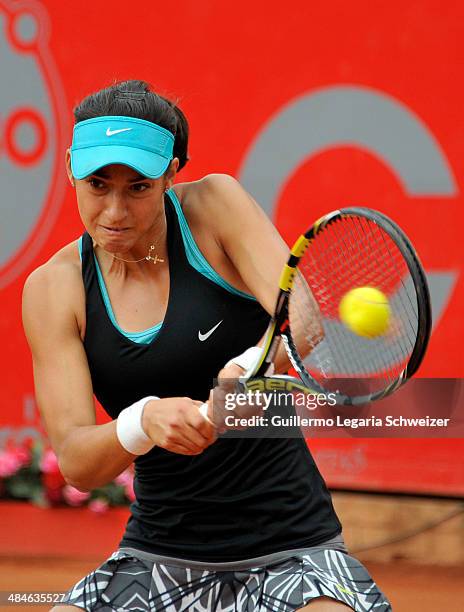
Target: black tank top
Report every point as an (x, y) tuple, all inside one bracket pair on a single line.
[(240, 498)]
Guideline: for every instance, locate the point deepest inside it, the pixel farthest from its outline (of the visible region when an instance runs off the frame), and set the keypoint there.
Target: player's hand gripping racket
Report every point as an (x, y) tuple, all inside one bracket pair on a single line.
[(362, 358)]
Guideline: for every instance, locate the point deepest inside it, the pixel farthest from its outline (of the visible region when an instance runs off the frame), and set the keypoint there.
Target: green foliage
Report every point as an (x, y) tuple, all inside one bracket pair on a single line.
[(113, 493), (24, 484)]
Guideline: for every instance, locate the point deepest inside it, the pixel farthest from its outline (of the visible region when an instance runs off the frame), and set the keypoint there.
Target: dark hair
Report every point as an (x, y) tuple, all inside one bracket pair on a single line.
[(135, 99)]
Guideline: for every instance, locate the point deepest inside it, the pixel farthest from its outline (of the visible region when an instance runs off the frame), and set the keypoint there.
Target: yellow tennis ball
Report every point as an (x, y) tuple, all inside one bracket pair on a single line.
[(365, 311)]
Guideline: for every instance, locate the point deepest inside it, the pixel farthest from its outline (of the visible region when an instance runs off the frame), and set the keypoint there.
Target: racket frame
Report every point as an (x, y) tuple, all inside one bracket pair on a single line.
[(279, 326)]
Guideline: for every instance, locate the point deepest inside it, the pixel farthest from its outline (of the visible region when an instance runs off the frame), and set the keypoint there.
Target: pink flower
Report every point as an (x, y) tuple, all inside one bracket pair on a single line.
[(9, 463), (99, 506), (49, 462), (74, 497), (124, 478), (22, 454)]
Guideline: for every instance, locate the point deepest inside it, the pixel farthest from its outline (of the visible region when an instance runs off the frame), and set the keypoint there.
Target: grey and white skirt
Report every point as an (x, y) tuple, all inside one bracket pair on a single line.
[(133, 580)]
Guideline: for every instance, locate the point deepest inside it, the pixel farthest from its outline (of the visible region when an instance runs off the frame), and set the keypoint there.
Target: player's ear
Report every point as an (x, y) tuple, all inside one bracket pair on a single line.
[(171, 172), (68, 167)]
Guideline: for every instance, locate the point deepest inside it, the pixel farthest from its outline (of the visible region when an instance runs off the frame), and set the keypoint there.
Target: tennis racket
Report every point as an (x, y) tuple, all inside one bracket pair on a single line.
[(346, 249)]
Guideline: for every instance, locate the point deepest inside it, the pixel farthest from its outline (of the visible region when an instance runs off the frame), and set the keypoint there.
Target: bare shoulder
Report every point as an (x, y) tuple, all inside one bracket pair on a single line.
[(60, 273), (217, 187), (213, 196), (54, 291)]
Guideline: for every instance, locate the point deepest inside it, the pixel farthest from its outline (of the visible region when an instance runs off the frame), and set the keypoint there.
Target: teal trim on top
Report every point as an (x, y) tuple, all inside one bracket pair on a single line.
[(195, 258), (142, 337)]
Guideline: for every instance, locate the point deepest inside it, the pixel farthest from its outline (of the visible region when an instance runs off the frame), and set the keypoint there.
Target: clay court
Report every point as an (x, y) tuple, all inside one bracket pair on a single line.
[(402, 569), (411, 588)]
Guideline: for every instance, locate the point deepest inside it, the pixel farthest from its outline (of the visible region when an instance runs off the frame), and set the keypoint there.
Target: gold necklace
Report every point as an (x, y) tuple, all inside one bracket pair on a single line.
[(148, 257)]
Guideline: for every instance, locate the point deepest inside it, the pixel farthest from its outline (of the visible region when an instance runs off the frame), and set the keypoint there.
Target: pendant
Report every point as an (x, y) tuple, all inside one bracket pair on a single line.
[(154, 259)]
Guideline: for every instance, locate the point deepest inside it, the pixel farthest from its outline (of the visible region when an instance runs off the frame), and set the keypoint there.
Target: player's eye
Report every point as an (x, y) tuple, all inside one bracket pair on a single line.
[(95, 183), (140, 187)]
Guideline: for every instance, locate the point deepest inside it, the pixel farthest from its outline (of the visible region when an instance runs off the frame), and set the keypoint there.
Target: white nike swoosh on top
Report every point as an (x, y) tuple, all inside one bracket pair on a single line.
[(203, 337), (110, 132)]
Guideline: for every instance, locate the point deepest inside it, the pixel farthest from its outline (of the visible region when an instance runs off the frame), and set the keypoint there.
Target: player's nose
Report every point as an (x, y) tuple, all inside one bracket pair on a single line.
[(115, 207)]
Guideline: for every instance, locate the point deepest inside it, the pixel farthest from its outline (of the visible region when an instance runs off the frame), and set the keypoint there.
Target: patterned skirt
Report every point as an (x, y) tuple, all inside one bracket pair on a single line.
[(133, 580)]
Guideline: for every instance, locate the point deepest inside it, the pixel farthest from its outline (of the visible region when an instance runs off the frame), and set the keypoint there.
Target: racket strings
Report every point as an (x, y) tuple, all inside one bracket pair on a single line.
[(385, 277), (354, 356), (412, 306), (326, 351), (325, 297), (404, 340), (353, 247), (348, 269), (349, 253), (380, 282), (396, 263), (304, 312)]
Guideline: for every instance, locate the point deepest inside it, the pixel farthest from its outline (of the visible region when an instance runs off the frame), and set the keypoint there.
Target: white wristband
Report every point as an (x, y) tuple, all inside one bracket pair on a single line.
[(129, 428), (204, 412), (248, 359)]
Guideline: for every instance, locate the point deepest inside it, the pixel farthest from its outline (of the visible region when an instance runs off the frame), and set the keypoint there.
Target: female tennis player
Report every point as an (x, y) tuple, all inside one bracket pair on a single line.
[(168, 286)]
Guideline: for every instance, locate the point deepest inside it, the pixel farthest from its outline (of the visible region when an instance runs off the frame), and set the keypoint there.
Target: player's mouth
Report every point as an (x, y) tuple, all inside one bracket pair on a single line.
[(114, 231)]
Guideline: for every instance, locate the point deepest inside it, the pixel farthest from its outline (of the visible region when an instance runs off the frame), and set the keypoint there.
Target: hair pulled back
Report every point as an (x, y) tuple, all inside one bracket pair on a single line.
[(135, 99)]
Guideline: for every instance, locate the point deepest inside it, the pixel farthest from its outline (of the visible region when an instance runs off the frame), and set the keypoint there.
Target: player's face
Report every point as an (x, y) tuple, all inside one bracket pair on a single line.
[(119, 207)]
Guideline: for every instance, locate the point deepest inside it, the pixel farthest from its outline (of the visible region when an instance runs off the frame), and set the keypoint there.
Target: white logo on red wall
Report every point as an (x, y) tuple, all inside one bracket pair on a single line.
[(31, 136)]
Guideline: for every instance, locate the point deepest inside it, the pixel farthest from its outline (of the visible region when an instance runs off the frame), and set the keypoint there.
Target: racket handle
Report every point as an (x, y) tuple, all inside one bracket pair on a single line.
[(203, 409)]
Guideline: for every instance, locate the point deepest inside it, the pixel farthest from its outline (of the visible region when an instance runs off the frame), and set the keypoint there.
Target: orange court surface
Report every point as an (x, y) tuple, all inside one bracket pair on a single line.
[(411, 588), (420, 571)]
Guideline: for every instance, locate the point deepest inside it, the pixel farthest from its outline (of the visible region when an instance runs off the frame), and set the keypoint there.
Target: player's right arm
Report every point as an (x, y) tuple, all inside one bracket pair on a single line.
[(89, 455)]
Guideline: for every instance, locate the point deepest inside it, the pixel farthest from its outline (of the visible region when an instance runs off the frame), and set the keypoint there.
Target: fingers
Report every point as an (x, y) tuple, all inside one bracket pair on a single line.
[(197, 432), (225, 402), (185, 439), (176, 425), (228, 376), (202, 425), (180, 449)]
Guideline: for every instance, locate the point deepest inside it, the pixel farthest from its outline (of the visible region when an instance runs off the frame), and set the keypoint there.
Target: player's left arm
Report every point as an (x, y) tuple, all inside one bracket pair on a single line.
[(247, 236), (252, 244)]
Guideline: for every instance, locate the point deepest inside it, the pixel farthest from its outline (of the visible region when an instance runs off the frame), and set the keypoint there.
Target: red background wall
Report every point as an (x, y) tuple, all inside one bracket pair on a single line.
[(233, 67)]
